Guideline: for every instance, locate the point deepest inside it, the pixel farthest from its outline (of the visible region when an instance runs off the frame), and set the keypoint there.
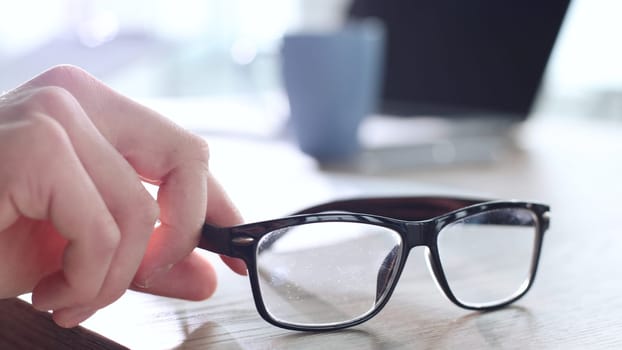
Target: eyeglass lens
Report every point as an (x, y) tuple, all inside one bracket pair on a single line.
[(326, 273), (486, 257)]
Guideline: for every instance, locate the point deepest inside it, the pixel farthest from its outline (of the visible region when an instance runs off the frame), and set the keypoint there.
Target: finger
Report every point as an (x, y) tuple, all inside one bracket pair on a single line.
[(133, 209), (51, 183), (182, 197), (222, 212), (192, 278), (69, 318)]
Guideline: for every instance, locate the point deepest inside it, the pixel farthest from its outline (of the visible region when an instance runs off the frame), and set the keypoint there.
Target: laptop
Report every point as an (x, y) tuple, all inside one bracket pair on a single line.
[(458, 77)]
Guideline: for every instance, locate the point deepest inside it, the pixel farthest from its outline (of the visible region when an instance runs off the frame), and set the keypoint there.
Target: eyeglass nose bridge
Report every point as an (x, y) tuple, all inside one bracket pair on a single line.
[(419, 233)]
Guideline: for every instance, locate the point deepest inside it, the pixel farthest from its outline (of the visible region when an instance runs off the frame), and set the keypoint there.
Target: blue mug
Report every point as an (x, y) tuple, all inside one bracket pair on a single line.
[(332, 81)]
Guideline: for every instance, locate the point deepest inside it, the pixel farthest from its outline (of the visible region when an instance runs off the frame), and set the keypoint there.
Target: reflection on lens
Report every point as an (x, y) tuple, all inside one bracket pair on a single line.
[(326, 273), (487, 257)]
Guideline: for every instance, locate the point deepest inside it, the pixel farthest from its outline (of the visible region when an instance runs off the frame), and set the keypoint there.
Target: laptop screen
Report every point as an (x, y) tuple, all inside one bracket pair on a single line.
[(464, 58)]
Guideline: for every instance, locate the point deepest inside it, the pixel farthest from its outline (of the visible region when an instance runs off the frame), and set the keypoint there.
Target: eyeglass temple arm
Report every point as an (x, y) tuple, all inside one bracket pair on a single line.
[(405, 208), (216, 239)]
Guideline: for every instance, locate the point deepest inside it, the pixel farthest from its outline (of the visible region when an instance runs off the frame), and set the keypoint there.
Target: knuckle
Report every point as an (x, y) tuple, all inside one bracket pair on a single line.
[(110, 238), (47, 135), (54, 101), (134, 211), (139, 209), (41, 147), (200, 147), (149, 213), (107, 237), (104, 249), (65, 75)]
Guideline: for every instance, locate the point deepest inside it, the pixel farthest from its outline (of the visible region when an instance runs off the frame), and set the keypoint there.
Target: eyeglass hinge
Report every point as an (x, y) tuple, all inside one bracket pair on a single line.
[(243, 240), (547, 219)]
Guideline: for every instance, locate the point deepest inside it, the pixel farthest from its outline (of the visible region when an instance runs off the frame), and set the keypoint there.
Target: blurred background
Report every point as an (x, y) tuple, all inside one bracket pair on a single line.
[(229, 48)]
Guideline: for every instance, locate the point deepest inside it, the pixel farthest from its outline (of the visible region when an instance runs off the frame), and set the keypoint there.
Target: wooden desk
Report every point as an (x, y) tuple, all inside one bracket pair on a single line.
[(575, 303)]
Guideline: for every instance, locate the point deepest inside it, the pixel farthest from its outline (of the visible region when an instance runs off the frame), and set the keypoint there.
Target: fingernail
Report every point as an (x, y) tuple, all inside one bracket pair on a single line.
[(160, 271), (72, 318)]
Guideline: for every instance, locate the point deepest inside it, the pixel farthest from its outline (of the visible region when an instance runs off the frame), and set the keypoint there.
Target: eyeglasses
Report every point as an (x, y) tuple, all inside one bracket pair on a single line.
[(335, 265)]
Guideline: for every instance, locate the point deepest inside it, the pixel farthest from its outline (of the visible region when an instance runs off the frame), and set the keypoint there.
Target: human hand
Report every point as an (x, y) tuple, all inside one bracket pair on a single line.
[(76, 223)]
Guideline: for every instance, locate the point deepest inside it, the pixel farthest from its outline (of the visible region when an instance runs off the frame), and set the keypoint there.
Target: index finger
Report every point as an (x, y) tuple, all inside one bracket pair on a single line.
[(222, 212)]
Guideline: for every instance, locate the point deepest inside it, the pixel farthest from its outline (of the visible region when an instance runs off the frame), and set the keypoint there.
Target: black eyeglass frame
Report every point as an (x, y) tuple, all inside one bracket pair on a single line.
[(418, 220)]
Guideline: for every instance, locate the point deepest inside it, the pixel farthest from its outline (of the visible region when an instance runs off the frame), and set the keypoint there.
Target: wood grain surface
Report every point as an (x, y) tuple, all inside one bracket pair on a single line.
[(21, 327)]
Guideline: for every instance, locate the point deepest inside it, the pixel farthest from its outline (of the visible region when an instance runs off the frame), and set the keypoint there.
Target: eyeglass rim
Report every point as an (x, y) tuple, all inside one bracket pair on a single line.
[(241, 241), (435, 261)]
